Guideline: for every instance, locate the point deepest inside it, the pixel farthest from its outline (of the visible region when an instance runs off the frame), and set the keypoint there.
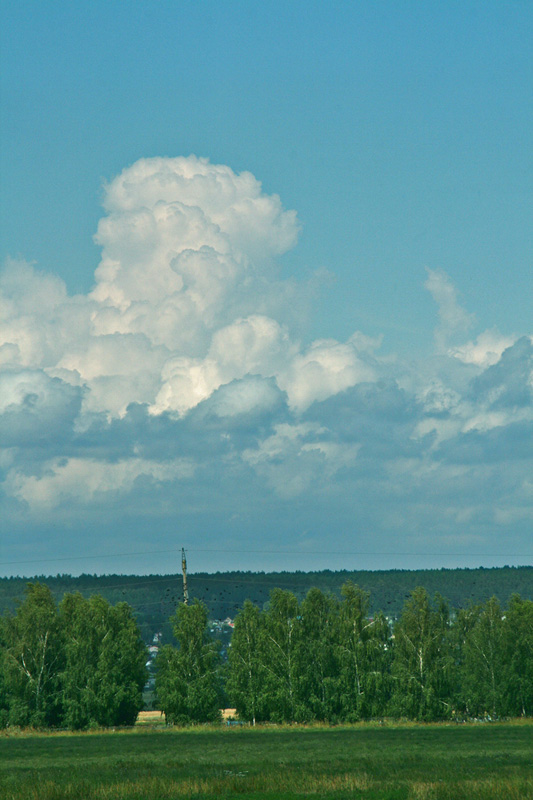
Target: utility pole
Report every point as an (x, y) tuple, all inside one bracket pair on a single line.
[(184, 570)]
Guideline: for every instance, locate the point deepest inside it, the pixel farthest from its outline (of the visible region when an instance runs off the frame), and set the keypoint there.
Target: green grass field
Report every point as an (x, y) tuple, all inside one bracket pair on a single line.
[(445, 762)]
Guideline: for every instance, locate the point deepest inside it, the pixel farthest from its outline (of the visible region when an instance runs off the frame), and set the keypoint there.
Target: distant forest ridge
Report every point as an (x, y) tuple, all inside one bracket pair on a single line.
[(154, 597)]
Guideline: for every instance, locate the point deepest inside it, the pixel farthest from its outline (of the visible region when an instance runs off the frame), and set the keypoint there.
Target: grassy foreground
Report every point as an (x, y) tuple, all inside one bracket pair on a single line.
[(394, 762)]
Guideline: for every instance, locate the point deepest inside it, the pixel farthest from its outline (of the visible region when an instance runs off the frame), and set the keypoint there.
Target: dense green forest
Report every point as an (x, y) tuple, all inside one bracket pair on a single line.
[(154, 598)]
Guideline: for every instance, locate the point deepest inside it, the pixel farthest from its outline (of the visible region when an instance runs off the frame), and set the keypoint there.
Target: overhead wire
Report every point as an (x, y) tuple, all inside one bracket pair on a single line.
[(267, 552)]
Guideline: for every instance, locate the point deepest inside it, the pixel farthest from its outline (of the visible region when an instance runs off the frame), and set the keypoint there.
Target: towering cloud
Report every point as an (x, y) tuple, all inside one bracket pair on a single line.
[(184, 363), (186, 298)]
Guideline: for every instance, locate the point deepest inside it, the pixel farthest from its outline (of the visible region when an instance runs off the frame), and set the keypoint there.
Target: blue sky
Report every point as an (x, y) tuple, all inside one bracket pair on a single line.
[(266, 285)]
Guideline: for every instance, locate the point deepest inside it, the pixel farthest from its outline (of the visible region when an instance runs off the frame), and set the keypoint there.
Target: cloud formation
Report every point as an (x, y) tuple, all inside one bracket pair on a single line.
[(179, 384), (454, 320)]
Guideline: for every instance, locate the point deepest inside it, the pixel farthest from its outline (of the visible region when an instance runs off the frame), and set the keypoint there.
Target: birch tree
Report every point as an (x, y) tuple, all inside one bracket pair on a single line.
[(281, 657), (188, 679), (104, 671), (32, 660), (319, 656), (364, 655), (422, 664), (247, 670), (518, 655), (484, 672)]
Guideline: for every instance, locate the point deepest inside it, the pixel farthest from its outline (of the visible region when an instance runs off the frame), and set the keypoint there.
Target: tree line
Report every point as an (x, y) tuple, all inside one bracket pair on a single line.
[(326, 659), (323, 658)]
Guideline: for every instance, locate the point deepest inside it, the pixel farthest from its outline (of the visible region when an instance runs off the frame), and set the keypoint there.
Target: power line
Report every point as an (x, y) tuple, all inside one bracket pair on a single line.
[(86, 558), (268, 552)]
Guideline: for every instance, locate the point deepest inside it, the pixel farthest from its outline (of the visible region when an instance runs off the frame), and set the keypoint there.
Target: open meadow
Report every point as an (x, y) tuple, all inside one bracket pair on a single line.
[(367, 761)]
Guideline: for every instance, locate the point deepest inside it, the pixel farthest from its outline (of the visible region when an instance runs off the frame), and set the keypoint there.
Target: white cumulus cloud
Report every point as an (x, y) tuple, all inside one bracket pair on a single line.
[(185, 298), (183, 370)]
